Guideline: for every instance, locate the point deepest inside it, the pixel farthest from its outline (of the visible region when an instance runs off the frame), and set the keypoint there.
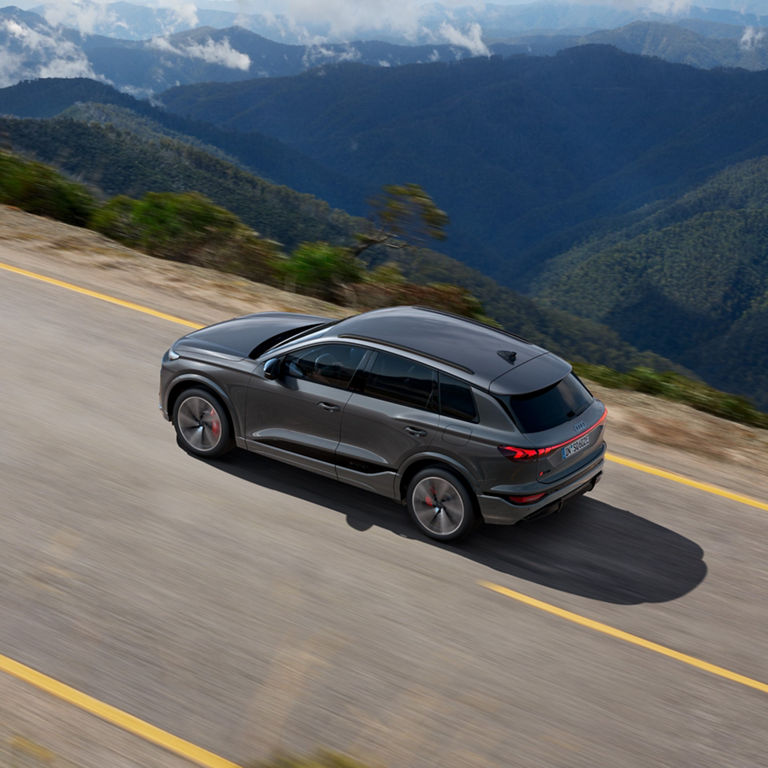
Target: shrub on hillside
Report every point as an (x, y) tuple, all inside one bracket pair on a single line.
[(322, 270), (387, 287), (187, 227), (36, 188)]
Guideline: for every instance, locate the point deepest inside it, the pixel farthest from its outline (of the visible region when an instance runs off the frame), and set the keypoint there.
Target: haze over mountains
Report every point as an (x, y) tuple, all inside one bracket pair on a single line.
[(626, 189)]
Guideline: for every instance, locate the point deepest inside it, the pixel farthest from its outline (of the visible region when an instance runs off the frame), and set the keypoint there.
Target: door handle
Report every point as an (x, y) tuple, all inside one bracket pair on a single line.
[(330, 407), (416, 432)]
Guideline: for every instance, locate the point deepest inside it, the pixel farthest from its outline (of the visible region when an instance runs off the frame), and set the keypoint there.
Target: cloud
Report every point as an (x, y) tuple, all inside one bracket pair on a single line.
[(82, 15), (751, 38), (220, 52), (345, 19), (319, 54), (183, 12), (665, 7), (30, 53), (472, 39), (89, 16)]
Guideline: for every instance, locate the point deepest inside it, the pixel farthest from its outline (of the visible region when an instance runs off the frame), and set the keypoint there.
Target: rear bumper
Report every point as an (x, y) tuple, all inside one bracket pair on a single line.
[(498, 511)]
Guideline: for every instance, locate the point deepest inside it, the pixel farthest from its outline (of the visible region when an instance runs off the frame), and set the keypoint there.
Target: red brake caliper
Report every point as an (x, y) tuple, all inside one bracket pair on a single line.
[(215, 423)]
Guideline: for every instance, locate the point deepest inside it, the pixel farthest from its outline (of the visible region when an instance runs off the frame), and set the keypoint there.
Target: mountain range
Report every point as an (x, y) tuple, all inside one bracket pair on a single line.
[(34, 47)]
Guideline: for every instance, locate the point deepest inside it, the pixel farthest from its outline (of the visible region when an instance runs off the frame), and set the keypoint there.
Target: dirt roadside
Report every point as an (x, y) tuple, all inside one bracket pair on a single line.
[(648, 429)]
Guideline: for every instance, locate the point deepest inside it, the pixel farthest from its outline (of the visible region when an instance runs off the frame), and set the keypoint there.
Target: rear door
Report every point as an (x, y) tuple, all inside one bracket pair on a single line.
[(391, 415)]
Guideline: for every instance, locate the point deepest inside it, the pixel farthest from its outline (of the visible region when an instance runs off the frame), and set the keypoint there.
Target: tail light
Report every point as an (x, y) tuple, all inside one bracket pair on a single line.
[(519, 454), (514, 453)]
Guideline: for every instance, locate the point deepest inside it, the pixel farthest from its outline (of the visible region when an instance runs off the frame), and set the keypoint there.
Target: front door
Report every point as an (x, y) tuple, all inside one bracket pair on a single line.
[(297, 416)]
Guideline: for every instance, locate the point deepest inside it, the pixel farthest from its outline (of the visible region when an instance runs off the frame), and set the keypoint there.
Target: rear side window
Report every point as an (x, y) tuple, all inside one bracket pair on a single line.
[(400, 380), (456, 399), (549, 407)]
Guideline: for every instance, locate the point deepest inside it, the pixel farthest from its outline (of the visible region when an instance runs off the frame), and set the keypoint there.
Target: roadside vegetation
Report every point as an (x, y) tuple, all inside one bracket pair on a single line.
[(187, 227), (678, 388)]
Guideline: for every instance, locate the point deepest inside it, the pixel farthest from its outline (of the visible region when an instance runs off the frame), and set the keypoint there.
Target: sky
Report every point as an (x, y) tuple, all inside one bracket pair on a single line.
[(345, 19), (379, 8)]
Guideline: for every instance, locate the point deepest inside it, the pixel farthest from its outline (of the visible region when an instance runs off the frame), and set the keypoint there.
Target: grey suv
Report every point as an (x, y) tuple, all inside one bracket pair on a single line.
[(461, 421)]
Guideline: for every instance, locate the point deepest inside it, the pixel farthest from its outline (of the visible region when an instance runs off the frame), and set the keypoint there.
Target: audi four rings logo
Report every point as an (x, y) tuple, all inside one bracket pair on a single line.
[(579, 426)]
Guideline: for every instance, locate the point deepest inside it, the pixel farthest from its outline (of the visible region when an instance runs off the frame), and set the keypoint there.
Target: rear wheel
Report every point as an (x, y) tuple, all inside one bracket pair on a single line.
[(440, 505), (201, 424)]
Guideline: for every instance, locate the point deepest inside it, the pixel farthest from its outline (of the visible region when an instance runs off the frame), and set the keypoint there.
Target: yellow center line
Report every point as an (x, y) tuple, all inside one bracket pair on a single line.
[(100, 296), (606, 629), (115, 716), (683, 480)]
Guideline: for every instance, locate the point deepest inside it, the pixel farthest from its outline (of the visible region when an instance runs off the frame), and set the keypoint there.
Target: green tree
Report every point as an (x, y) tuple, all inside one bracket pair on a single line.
[(403, 215)]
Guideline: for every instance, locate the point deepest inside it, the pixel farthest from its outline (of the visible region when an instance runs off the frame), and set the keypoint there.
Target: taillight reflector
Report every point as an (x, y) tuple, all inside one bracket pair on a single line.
[(527, 499)]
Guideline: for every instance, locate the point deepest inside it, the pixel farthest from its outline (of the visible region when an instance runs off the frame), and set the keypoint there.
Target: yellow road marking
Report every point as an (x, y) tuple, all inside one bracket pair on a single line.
[(626, 636), (100, 296), (115, 716), (708, 487), (208, 759)]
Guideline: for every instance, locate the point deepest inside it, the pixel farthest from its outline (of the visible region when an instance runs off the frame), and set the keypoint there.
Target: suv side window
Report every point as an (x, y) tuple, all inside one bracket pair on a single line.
[(403, 381), (330, 364), (456, 399)]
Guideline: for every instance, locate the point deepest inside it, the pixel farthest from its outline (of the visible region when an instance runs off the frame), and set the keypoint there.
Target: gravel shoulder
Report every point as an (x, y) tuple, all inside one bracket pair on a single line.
[(649, 429)]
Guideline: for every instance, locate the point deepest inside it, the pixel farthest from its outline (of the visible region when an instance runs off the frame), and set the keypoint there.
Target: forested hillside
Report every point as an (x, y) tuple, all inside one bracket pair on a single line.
[(689, 280), (119, 162), (263, 155), (530, 155)]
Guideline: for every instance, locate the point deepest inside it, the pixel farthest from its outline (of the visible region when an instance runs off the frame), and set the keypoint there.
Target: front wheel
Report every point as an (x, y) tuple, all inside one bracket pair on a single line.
[(440, 505), (201, 424)]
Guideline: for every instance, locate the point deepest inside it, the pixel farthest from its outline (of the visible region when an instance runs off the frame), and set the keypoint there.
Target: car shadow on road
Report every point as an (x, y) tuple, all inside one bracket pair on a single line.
[(589, 548)]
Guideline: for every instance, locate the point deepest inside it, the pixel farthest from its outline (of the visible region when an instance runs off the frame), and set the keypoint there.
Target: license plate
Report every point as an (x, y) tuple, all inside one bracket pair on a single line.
[(575, 446)]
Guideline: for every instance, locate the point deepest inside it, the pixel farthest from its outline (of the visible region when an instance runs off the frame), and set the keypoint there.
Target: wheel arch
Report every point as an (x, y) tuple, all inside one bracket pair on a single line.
[(434, 460), (193, 381)]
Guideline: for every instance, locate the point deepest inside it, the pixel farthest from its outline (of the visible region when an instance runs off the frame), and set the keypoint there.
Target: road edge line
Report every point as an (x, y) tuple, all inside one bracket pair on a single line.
[(114, 716), (620, 634), (100, 296), (683, 480)]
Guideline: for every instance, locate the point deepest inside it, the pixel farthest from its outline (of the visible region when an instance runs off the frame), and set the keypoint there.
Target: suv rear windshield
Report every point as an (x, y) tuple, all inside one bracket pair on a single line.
[(548, 407)]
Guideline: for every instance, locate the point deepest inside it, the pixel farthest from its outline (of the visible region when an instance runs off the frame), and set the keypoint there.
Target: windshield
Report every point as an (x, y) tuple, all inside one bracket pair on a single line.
[(291, 335), (550, 407)]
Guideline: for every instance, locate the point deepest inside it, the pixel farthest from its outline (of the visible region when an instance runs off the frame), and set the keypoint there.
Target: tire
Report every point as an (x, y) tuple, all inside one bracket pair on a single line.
[(440, 505), (202, 424)]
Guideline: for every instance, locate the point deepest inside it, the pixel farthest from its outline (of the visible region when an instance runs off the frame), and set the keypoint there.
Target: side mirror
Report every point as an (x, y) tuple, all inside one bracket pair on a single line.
[(272, 368)]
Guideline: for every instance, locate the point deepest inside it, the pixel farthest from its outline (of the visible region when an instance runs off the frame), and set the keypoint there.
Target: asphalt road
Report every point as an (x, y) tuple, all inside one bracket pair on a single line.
[(249, 607)]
